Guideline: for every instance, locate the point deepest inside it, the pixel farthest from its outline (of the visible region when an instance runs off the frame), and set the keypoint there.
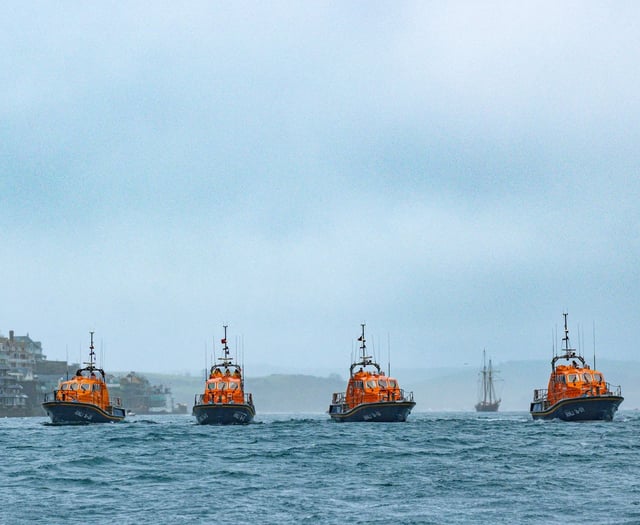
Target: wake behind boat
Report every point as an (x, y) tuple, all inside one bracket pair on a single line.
[(489, 401), (224, 401), (575, 391), (84, 398), (370, 395)]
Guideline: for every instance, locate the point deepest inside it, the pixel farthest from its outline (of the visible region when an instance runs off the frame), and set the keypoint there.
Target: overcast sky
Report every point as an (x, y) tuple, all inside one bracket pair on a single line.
[(454, 174)]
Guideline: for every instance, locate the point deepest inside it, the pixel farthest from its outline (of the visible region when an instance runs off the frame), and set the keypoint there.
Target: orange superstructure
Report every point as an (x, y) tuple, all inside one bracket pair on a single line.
[(575, 380), (84, 387), (224, 387), (367, 386)]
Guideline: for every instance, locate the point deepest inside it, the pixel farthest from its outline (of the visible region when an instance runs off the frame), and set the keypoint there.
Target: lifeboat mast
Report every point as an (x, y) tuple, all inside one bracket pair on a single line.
[(367, 360), (91, 365), (226, 360), (92, 356), (569, 353)]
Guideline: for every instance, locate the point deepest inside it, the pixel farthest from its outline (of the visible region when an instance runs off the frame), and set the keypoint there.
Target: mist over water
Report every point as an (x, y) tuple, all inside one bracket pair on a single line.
[(304, 468)]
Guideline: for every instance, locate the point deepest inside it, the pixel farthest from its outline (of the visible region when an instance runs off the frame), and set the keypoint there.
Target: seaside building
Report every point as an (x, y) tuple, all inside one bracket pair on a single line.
[(19, 388)]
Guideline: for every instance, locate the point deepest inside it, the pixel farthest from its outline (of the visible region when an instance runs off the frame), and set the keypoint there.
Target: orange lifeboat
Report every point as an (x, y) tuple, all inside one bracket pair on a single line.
[(370, 395), (224, 401), (84, 398), (575, 392)]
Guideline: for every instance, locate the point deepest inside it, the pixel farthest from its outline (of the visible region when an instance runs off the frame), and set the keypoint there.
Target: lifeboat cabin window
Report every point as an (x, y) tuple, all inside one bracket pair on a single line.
[(392, 383), (382, 383), (587, 378), (222, 386), (597, 378), (74, 386), (86, 387), (96, 388), (561, 379), (211, 386), (233, 386), (65, 386), (572, 378), (371, 384)]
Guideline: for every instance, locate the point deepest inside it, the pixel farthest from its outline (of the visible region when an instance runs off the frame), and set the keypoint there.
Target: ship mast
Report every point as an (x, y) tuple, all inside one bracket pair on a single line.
[(492, 394), (484, 376), (366, 359), (569, 353), (92, 355), (565, 339), (226, 360)]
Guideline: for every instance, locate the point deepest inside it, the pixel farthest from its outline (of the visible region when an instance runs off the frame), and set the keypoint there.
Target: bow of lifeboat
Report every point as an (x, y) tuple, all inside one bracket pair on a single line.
[(84, 398), (575, 392), (370, 395), (224, 401)]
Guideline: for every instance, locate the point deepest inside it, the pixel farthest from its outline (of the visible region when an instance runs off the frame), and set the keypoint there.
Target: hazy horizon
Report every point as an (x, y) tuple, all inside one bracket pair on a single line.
[(456, 175)]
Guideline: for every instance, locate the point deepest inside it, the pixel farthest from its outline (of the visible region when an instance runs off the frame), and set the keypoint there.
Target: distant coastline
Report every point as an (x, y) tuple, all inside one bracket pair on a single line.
[(297, 392)]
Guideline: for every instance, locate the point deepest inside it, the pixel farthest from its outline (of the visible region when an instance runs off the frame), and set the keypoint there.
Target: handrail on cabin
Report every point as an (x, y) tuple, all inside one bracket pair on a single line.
[(72, 395), (199, 400), (340, 398), (615, 390), (542, 394)]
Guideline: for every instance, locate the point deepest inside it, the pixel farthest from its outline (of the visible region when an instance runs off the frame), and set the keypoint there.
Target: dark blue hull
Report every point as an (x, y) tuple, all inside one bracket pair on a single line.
[(487, 407), (579, 409), (68, 413), (383, 412), (224, 414)]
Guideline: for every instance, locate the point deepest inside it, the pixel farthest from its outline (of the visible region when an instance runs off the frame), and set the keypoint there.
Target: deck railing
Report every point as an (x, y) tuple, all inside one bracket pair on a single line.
[(340, 398), (72, 395), (213, 400), (613, 390), (542, 394)]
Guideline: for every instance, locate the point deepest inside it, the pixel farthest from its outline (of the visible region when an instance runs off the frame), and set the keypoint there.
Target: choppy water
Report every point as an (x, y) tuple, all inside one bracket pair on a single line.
[(436, 468)]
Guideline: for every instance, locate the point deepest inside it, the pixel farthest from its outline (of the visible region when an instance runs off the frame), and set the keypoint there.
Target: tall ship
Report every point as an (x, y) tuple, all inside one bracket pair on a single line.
[(224, 401), (576, 392), (489, 401), (84, 398), (370, 395)]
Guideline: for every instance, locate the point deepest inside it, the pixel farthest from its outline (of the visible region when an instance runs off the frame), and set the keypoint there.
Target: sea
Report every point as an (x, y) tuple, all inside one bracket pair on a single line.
[(440, 468)]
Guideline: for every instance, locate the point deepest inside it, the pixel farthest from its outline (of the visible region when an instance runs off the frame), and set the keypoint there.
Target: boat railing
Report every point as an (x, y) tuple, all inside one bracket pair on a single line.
[(613, 390), (72, 395), (406, 397), (61, 395), (339, 398), (540, 394), (395, 396), (200, 400), (50, 396)]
